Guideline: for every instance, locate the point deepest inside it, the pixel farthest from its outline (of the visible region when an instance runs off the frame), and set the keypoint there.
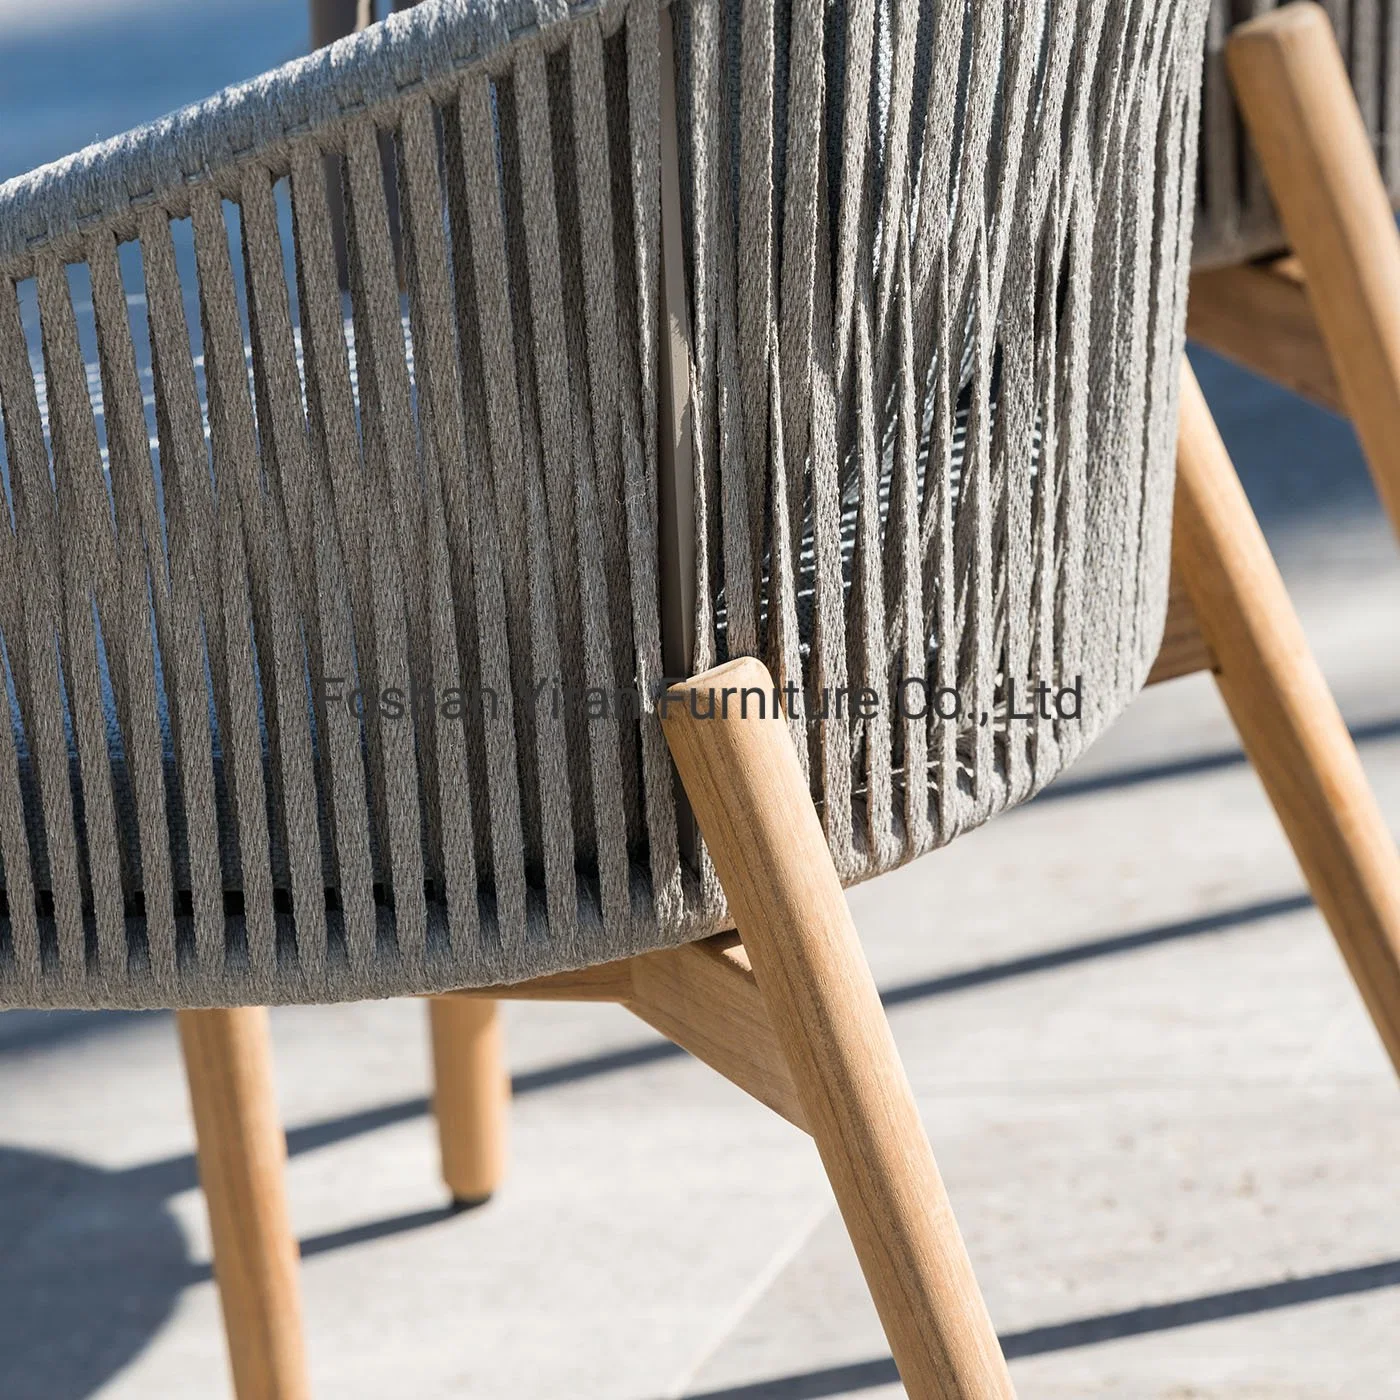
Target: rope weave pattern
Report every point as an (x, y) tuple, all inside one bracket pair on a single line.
[(935, 258), (1235, 216)]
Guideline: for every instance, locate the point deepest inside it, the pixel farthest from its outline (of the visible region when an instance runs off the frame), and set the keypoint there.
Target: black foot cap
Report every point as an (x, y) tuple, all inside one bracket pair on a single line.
[(466, 1203)]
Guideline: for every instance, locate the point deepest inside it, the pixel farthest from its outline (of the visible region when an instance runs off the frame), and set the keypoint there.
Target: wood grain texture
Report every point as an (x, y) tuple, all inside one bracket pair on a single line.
[(1286, 716), (610, 981), (1183, 651), (242, 1161), (756, 815), (471, 1095), (1297, 103), (1260, 316), (704, 997)]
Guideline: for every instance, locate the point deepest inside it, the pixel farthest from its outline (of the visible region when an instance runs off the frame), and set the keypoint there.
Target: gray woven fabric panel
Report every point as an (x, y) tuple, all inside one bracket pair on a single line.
[(936, 395), (322, 611), (1235, 217)]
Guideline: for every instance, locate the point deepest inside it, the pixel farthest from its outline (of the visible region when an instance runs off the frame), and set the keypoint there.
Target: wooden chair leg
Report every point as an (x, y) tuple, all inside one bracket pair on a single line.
[(1292, 88), (242, 1156), (752, 802), (471, 1095), (1286, 716)]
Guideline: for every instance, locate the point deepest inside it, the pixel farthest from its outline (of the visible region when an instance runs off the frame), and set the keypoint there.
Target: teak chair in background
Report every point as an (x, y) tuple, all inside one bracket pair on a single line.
[(1297, 271), (694, 369)]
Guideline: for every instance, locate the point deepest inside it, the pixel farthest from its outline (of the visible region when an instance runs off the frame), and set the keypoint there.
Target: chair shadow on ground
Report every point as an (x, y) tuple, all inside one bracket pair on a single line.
[(90, 1270), (93, 1262)]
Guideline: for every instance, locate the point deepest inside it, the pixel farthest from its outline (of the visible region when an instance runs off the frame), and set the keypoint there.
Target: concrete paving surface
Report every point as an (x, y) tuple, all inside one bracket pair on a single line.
[(1168, 1129)]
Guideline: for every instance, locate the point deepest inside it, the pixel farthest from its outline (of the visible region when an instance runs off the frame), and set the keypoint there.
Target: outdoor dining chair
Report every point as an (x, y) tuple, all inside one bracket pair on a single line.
[(1297, 255), (790, 391)]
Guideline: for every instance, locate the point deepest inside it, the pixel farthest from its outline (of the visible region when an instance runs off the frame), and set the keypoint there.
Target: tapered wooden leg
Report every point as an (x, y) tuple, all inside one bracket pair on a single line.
[(751, 800), (1286, 716), (242, 1157), (1297, 102), (471, 1095)]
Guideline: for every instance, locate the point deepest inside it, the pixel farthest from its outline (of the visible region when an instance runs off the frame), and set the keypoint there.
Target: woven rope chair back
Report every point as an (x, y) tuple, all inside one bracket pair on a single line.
[(332, 620), (1235, 217)]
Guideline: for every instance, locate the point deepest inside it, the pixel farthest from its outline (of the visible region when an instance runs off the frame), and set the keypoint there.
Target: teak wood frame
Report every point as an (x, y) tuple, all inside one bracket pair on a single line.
[(785, 1006)]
